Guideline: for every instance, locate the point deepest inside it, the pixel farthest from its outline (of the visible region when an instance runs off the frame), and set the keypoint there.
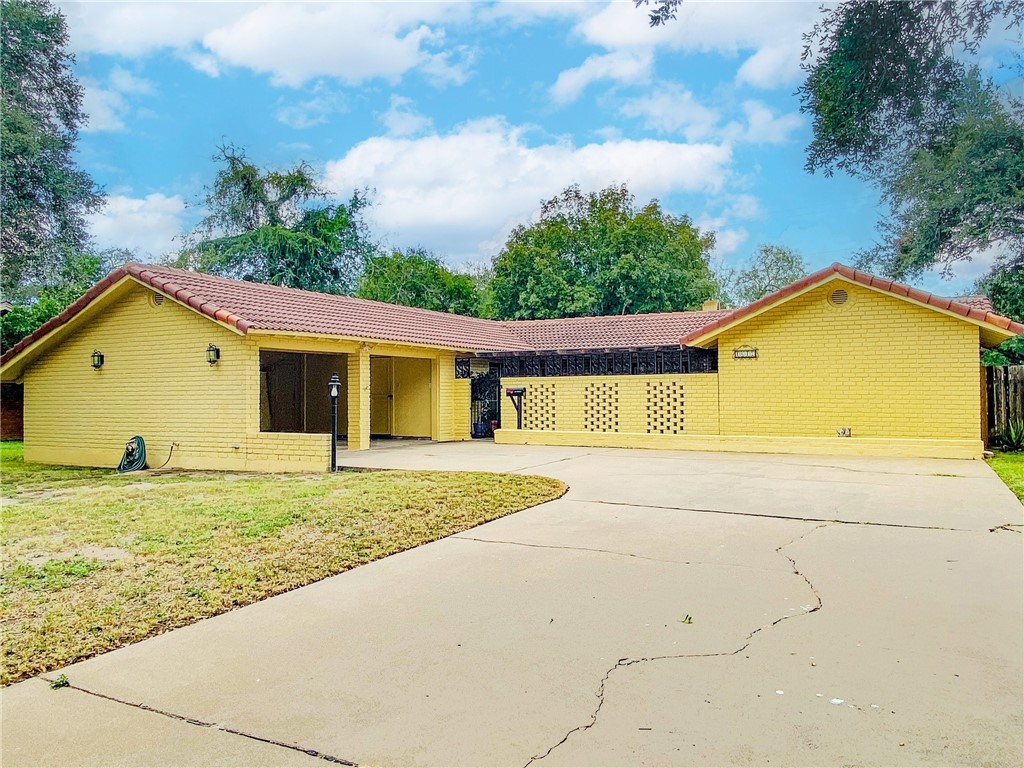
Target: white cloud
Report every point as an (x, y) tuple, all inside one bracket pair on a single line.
[(312, 111), (512, 14), (145, 225), (461, 193), (123, 81), (351, 41), (402, 120), (673, 109), (771, 29), (743, 206), (293, 43), (620, 67), (771, 67), (106, 105), (134, 29), (728, 241), (103, 106), (763, 126)]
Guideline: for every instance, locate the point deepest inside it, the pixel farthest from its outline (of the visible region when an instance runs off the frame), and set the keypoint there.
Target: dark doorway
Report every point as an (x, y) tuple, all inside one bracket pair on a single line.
[(485, 413)]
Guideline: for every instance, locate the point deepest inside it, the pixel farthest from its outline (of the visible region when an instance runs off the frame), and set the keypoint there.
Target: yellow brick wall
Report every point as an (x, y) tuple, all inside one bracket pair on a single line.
[(359, 400), (452, 400), (634, 405), (155, 382), (877, 364)]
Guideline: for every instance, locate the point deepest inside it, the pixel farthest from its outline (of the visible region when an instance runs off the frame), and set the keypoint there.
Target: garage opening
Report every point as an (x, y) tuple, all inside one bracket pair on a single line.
[(293, 392), (400, 397)]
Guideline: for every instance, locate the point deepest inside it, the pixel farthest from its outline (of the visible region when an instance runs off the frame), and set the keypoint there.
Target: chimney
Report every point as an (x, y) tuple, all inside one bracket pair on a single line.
[(711, 304)]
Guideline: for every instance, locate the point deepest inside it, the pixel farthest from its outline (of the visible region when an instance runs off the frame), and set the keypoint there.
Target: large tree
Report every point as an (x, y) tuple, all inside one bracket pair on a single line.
[(274, 227), (961, 194), (599, 254), (417, 278), (895, 101), (76, 275), (770, 268), (44, 195)]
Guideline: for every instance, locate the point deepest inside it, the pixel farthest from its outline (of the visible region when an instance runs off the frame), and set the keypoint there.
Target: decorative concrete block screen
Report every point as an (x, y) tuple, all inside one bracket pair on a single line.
[(666, 407), (540, 412), (658, 404), (601, 404)]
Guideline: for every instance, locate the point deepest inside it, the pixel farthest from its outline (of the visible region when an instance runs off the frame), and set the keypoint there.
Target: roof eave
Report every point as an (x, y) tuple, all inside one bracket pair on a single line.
[(13, 362), (994, 328)]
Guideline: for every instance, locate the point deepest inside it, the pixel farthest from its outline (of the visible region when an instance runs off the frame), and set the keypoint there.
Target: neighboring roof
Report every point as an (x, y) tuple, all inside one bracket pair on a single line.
[(611, 331), (976, 302), (1002, 327)]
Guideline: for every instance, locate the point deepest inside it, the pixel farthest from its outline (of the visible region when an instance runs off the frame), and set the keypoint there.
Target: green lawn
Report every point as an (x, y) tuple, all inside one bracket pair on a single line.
[(1010, 467), (92, 560)]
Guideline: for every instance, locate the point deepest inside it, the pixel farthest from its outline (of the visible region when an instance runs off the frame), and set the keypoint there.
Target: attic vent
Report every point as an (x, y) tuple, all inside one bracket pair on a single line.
[(838, 298), (157, 298)]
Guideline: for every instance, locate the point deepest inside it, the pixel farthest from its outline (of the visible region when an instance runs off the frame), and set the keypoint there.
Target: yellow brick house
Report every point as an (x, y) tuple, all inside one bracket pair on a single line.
[(224, 374)]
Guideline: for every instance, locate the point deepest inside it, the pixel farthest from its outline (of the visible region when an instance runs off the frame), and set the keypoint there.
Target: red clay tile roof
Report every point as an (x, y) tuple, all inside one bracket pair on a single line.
[(611, 331), (256, 307), (977, 302), (259, 307), (897, 289)]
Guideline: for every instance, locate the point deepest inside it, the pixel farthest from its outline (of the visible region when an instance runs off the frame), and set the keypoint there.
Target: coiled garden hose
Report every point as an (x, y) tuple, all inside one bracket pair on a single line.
[(134, 457)]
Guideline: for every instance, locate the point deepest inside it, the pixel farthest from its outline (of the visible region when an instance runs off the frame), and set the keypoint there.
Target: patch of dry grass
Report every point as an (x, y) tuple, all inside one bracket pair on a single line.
[(94, 561)]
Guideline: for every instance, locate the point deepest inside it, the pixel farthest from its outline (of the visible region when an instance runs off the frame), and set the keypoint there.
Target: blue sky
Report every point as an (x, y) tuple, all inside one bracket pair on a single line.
[(463, 117)]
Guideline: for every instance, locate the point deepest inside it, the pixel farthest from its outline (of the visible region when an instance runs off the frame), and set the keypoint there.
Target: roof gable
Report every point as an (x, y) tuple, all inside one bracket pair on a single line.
[(994, 328)]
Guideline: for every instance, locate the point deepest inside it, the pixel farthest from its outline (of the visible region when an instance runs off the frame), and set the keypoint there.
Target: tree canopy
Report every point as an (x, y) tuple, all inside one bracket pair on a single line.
[(770, 268), (77, 274), (272, 227), (416, 278), (959, 195), (598, 254), (44, 195), (884, 78), (894, 100)]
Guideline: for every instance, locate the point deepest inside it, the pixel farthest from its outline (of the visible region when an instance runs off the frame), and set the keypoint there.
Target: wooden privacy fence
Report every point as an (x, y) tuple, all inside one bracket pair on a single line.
[(1004, 396)]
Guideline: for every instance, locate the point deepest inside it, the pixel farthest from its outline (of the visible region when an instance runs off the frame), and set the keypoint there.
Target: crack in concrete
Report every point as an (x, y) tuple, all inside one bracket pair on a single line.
[(204, 724), (828, 521), (609, 552), (734, 458), (627, 662), (1011, 527), (549, 463)]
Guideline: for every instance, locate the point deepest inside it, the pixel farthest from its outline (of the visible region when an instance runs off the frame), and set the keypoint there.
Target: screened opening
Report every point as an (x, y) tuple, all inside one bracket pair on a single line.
[(293, 392)]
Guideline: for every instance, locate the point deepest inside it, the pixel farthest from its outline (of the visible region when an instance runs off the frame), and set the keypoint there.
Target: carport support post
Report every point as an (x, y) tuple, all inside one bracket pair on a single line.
[(359, 399), (333, 390)]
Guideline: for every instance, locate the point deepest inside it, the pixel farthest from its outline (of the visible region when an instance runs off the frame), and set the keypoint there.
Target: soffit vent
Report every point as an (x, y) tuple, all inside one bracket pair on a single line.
[(838, 298)]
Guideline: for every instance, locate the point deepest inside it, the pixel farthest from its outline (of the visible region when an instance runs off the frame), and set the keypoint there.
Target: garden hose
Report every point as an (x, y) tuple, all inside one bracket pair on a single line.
[(134, 457)]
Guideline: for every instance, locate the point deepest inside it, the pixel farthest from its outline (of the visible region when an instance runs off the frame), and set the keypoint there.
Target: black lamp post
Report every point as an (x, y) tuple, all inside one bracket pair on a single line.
[(333, 390)]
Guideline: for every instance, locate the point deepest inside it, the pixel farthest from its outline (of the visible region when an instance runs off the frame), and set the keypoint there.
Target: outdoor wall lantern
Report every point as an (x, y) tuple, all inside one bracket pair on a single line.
[(212, 354), (333, 391), (97, 359), (744, 353)]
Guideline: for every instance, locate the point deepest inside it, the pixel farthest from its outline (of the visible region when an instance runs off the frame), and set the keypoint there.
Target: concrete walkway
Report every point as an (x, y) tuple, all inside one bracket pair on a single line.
[(671, 609)]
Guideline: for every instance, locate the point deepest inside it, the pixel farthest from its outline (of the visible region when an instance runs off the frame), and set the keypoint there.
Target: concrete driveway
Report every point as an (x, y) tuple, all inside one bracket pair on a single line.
[(671, 609)]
